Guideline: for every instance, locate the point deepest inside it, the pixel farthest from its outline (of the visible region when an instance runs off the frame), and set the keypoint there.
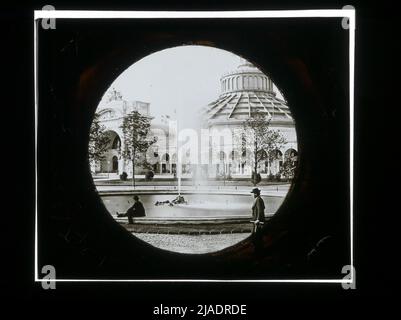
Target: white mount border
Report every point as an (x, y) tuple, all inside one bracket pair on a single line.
[(336, 13)]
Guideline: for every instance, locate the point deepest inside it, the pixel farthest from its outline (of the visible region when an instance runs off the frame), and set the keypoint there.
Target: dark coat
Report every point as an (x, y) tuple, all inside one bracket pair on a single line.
[(258, 209), (137, 210)]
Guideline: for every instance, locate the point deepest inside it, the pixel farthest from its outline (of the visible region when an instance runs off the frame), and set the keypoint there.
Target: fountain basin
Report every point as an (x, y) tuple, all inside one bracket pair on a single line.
[(199, 205), (209, 222), (190, 226)]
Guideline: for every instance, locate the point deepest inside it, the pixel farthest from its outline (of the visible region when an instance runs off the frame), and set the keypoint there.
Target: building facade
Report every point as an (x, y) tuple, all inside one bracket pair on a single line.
[(112, 110), (244, 92)]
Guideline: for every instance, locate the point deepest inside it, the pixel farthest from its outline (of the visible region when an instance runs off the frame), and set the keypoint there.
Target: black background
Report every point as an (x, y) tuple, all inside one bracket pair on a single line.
[(326, 61)]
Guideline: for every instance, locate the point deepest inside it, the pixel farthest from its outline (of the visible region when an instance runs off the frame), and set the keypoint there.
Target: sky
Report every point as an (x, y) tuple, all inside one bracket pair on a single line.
[(178, 81)]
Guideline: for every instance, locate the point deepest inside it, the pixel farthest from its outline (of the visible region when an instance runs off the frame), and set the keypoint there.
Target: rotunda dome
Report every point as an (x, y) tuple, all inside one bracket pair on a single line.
[(245, 77), (246, 91)]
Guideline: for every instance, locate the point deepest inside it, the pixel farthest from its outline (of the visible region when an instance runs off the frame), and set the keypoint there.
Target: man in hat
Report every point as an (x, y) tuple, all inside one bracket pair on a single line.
[(137, 210), (258, 215)]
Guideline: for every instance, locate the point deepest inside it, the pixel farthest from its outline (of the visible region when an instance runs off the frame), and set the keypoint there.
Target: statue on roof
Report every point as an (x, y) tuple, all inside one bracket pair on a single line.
[(245, 63), (114, 95)]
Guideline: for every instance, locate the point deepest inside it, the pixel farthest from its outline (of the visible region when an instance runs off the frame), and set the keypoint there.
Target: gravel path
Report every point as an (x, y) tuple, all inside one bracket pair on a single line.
[(192, 243)]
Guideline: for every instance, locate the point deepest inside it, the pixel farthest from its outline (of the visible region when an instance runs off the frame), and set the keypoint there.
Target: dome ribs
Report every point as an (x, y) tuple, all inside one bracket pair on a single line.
[(279, 109), (245, 92), (222, 104), (264, 107), (249, 104), (236, 104)]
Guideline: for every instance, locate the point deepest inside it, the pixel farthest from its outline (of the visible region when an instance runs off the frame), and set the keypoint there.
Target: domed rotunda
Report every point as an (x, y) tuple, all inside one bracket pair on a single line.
[(246, 91)]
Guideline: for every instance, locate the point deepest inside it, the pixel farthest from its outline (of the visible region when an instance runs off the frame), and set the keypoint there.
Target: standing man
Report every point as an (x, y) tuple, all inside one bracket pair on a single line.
[(258, 215), (137, 210)]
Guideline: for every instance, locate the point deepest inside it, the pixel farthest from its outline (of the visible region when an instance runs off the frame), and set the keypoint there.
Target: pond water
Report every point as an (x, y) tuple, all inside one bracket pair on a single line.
[(199, 205)]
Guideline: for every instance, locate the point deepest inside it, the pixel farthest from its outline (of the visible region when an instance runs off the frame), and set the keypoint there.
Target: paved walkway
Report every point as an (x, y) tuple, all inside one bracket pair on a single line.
[(197, 244)]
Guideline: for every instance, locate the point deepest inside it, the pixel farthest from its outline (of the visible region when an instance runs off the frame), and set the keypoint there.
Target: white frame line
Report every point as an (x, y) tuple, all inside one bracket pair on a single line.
[(82, 14), (73, 14), (35, 67), (352, 27)]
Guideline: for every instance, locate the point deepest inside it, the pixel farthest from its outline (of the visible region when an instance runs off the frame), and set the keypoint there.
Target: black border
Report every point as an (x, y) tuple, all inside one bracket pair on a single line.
[(375, 236)]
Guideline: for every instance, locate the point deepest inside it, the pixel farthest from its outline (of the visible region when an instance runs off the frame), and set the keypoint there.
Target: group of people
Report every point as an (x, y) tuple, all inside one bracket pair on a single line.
[(258, 216)]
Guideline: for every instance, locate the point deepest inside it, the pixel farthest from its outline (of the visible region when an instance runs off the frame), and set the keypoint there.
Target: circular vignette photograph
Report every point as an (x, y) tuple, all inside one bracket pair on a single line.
[(193, 149)]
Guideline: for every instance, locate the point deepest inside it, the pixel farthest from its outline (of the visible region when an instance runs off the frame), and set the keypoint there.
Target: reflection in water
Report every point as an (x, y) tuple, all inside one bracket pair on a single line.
[(198, 205)]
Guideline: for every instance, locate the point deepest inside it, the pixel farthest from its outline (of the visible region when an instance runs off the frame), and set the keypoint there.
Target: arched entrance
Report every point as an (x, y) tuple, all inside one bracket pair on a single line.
[(115, 164), (109, 164), (116, 145), (263, 163), (291, 155), (275, 162), (166, 166)]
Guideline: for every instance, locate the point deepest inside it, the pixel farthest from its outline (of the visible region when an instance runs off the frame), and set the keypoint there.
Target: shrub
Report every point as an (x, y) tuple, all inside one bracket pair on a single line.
[(149, 175), (256, 178), (123, 176)]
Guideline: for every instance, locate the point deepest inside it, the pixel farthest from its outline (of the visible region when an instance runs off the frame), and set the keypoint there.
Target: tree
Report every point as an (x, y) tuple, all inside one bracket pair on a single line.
[(288, 168), (263, 141), (98, 140), (136, 128)]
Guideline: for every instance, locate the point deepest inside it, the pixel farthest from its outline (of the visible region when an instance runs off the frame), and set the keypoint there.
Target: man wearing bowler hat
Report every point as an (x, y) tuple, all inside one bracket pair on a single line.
[(137, 210), (258, 215)]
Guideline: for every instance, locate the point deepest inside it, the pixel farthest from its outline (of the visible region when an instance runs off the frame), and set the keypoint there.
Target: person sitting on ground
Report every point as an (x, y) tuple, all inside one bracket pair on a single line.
[(179, 200), (137, 210), (159, 203)]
